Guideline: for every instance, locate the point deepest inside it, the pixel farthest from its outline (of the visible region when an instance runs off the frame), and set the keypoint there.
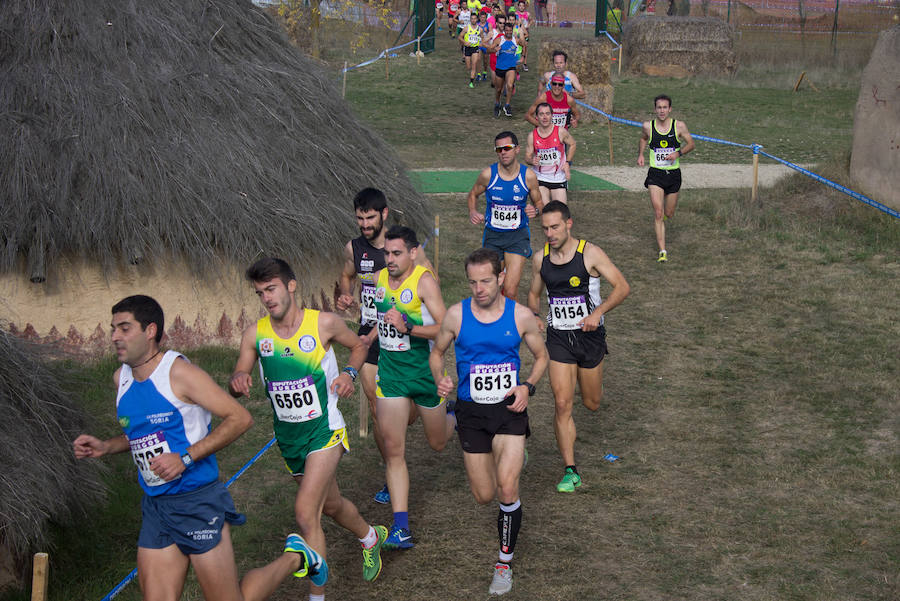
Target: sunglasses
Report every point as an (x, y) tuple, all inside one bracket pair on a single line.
[(558, 85), (505, 147)]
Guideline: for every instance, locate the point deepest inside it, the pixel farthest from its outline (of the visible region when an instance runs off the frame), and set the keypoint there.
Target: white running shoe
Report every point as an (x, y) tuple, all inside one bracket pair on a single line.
[(502, 581)]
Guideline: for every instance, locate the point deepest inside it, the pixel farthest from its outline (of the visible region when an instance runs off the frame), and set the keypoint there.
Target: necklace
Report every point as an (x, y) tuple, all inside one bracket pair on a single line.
[(147, 361)]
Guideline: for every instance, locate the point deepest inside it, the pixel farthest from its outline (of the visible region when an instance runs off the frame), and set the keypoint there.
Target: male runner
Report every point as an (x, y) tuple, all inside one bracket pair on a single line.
[(410, 309), (570, 269), (507, 186), (490, 49), (452, 20), (463, 20), (294, 350), (664, 136), (487, 35), (508, 54), (572, 85), (470, 38), (522, 18), (549, 150), (491, 412), (565, 109), (439, 13), (363, 257), (164, 405)]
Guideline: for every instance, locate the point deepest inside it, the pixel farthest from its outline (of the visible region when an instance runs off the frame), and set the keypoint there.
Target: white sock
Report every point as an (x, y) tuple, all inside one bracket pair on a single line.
[(316, 597), (369, 540)]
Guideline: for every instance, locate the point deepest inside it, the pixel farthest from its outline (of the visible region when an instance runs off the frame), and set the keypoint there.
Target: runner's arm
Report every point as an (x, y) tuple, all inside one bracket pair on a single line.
[(531, 117), (530, 154), (642, 143), (534, 191), (683, 134), (532, 337), (537, 284), (481, 184), (597, 261), (576, 112), (240, 382), (333, 329), (347, 280), (448, 332), (430, 294), (577, 91)]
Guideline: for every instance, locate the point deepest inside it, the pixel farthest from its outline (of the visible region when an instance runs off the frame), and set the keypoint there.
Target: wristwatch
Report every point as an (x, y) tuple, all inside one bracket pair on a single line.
[(187, 460), (530, 387), (351, 372)]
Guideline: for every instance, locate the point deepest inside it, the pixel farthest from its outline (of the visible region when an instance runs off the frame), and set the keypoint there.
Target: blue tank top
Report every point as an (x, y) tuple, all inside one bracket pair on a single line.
[(507, 54), (155, 421), (505, 201), (487, 355)]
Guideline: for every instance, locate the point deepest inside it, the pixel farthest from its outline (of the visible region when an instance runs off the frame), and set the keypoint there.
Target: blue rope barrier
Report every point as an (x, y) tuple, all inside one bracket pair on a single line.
[(125, 581), (757, 149), (384, 52)]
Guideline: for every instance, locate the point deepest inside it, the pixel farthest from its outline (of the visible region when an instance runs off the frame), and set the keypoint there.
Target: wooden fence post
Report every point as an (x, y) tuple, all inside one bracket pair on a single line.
[(39, 577), (344, 84)]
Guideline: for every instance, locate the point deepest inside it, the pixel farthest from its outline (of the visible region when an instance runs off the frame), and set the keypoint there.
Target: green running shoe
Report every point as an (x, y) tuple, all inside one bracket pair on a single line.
[(570, 481), (312, 564), (372, 557)]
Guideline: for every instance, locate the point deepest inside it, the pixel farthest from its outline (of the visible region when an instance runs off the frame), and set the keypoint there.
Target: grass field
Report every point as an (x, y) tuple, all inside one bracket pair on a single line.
[(751, 390)]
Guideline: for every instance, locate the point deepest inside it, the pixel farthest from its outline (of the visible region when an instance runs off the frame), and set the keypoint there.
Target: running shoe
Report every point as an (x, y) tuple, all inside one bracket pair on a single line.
[(570, 481), (496, 110), (399, 538), (383, 496), (525, 67), (372, 557), (501, 583), (507, 110), (471, 84), (663, 257), (312, 564)]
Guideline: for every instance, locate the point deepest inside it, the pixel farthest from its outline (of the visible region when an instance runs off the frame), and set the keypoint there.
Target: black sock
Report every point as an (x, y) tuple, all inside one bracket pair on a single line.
[(509, 520)]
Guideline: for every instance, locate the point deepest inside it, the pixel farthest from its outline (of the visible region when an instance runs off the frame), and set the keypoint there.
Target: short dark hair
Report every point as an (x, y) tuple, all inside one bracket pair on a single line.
[(145, 310), (560, 53), (662, 97), (556, 206), (369, 199), (482, 256), (400, 232), (506, 134), (540, 104), (269, 268)]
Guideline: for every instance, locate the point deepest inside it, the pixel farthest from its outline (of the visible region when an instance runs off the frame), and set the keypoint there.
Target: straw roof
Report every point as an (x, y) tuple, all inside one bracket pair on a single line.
[(174, 129)]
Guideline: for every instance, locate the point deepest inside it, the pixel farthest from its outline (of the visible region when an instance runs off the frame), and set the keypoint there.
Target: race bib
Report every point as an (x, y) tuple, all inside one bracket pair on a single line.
[(389, 338), (559, 119), (295, 401), (439, 5), (661, 154), (567, 313), (368, 312), (506, 217), (548, 156), (489, 384), (473, 39), (144, 449)]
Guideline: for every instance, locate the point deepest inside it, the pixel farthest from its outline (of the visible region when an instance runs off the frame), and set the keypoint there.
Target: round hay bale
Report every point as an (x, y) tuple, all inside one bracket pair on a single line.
[(599, 95), (590, 60), (679, 46), (875, 158)]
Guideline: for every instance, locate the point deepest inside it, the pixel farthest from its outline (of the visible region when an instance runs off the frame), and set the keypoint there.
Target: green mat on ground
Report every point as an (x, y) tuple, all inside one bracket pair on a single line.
[(446, 182)]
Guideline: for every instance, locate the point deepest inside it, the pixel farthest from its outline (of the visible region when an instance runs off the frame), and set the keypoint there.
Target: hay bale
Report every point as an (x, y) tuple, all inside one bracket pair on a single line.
[(599, 95), (875, 158), (590, 60), (679, 45)]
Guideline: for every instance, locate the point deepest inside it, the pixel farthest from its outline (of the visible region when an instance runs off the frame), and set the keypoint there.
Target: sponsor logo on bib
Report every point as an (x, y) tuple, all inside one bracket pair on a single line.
[(379, 294)]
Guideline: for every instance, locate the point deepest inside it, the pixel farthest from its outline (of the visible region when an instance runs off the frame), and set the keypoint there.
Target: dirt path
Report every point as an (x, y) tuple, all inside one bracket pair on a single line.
[(695, 175)]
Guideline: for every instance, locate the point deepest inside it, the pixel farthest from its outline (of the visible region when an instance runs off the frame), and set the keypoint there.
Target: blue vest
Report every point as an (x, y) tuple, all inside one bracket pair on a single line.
[(486, 344), (155, 421), (507, 54), (506, 194)]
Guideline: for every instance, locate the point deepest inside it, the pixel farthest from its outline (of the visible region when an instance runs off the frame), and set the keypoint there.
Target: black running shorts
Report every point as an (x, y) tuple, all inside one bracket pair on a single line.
[(586, 349), (667, 179), (477, 424)]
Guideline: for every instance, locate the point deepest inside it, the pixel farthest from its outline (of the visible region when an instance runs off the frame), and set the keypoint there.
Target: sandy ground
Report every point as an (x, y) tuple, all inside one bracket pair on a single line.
[(694, 175)]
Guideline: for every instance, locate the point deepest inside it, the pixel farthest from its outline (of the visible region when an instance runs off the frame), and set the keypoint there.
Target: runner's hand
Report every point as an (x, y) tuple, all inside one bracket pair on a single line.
[(167, 466), (395, 318), (445, 387), (531, 210), (640, 160), (344, 302), (520, 396), (591, 323), (343, 385), (476, 218), (88, 446), (240, 384)]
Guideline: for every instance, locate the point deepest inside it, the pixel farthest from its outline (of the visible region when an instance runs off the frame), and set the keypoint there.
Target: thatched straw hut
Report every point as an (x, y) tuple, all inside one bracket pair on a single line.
[(41, 480), (679, 46), (161, 146)]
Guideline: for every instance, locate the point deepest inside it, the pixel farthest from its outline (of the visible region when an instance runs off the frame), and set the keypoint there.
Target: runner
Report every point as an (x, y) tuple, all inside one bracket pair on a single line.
[(164, 405), (470, 38), (565, 109), (507, 49), (570, 270), (665, 137), (410, 309), (492, 398), (452, 17), (522, 18), (439, 13), (488, 33), (507, 186), (572, 85), (490, 49), (294, 350), (550, 150), (363, 257), (463, 19)]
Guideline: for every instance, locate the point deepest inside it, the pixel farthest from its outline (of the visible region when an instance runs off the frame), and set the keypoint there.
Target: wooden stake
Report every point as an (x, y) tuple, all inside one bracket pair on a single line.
[(437, 243), (39, 577), (344, 85), (419, 50), (620, 59), (754, 194), (609, 127), (363, 413), (797, 85), (387, 74)]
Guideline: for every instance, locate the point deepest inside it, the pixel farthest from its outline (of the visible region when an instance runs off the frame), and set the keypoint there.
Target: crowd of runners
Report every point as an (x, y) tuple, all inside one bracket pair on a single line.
[(165, 404)]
